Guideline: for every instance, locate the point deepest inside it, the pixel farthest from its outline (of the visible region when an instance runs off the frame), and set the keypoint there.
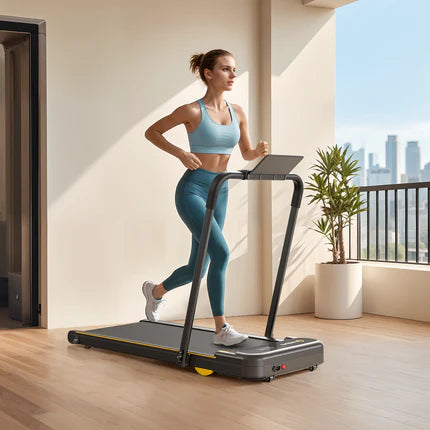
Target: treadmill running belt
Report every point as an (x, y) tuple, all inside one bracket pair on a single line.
[(168, 336)]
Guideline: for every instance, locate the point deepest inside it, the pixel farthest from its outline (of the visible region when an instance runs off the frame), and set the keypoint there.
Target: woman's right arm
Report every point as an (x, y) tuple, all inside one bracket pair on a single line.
[(155, 135)]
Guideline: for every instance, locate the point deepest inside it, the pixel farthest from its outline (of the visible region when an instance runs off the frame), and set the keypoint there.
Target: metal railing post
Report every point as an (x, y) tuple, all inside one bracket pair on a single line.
[(395, 187)]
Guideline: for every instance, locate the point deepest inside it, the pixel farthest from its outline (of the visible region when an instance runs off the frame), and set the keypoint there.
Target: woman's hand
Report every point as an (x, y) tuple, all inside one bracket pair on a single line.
[(262, 148), (190, 160)]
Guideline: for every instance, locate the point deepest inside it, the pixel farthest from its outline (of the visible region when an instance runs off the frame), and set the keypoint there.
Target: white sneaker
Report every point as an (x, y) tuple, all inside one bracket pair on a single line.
[(228, 336), (152, 304)]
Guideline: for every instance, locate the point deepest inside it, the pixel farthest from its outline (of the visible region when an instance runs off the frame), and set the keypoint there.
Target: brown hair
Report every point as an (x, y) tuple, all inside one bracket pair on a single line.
[(200, 62)]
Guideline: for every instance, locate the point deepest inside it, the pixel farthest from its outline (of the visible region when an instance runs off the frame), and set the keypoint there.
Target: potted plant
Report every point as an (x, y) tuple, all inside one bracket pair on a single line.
[(338, 283)]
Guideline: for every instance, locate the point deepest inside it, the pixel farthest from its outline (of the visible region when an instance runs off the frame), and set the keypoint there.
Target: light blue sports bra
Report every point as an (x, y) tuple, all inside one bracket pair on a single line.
[(213, 138)]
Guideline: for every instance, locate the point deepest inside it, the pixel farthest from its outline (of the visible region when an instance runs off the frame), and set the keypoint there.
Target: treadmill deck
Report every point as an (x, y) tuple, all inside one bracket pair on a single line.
[(168, 336)]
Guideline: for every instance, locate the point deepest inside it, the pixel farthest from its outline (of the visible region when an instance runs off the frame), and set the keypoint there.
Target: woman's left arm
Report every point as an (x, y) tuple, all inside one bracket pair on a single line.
[(248, 153)]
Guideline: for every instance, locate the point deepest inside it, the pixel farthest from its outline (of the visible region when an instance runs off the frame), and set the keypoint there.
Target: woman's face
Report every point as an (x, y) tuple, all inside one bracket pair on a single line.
[(223, 74)]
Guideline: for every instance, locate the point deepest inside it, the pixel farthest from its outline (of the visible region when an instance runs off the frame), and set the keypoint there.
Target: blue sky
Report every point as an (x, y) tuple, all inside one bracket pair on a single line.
[(383, 74)]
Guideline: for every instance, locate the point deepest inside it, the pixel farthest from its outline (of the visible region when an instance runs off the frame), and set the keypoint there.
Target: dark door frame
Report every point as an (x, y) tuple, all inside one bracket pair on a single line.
[(34, 28)]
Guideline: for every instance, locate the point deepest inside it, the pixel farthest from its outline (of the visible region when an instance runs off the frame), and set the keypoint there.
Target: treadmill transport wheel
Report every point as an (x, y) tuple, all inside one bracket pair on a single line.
[(203, 372)]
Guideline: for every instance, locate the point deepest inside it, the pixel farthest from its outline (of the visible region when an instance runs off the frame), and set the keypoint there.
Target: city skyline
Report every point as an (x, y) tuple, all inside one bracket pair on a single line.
[(379, 149), (381, 155), (377, 170), (382, 70)]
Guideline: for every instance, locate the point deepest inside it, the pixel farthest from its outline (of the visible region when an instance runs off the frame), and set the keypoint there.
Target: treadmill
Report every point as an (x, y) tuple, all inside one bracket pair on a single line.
[(258, 357)]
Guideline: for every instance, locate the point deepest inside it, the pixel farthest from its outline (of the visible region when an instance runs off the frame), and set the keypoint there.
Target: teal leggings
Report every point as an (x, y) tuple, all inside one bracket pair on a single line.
[(190, 198)]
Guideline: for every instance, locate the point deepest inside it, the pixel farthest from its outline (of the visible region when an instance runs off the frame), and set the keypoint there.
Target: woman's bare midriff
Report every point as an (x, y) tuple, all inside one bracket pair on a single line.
[(213, 162)]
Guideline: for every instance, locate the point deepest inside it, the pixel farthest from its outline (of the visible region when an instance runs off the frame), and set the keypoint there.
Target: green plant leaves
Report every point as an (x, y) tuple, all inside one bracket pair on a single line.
[(330, 185)]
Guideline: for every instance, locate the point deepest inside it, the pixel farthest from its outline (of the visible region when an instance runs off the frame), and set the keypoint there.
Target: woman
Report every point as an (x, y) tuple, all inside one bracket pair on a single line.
[(214, 127)]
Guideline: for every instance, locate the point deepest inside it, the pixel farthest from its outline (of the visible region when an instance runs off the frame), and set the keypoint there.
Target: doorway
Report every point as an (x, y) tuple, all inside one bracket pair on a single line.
[(21, 129)]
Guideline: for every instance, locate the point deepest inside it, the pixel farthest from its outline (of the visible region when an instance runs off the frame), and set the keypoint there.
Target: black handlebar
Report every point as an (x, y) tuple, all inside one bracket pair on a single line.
[(269, 168)]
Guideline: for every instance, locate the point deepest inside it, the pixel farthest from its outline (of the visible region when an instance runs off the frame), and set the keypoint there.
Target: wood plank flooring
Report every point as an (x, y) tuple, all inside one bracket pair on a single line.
[(376, 375)]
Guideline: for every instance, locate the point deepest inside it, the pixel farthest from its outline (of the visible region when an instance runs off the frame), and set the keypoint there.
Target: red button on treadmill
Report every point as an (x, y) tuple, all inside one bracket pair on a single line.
[(283, 366)]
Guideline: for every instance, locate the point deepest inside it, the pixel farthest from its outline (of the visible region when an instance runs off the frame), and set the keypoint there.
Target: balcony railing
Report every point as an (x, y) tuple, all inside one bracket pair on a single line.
[(396, 226)]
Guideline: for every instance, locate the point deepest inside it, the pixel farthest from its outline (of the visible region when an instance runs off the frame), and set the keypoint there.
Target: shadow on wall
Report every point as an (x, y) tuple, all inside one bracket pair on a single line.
[(287, 53), (303, 248), (99, 91), (302, 230), (303, 293)]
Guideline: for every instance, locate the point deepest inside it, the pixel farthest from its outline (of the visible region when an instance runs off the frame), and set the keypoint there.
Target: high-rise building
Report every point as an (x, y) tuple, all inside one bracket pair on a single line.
[(378, 176), (373, 160), (392, 157), (425, 173), (413, 161)]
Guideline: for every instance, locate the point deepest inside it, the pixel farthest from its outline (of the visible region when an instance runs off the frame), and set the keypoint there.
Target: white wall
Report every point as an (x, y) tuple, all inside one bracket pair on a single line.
[(397, 290)]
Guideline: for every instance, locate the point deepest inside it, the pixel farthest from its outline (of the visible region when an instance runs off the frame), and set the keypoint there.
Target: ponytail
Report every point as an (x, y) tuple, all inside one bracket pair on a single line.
[(195, 62)]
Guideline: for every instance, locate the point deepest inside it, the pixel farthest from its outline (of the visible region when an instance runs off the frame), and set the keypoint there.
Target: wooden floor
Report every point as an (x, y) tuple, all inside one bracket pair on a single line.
[(376, 375)]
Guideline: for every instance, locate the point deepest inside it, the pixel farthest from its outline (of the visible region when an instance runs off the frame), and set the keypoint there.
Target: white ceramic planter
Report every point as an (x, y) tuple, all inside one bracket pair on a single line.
[(338, 290)]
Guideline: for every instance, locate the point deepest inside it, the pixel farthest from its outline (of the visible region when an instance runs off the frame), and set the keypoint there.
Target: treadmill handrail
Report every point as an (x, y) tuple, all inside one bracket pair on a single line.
[(282, 268), (182, 358)]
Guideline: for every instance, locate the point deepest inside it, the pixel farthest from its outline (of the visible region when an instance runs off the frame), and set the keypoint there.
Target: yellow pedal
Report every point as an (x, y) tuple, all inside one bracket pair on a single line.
[(203, 372)]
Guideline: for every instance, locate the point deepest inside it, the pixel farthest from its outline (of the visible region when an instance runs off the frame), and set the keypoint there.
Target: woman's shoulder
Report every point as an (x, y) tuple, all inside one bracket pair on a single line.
[(238, 110), (191, 108), (188, 111)]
